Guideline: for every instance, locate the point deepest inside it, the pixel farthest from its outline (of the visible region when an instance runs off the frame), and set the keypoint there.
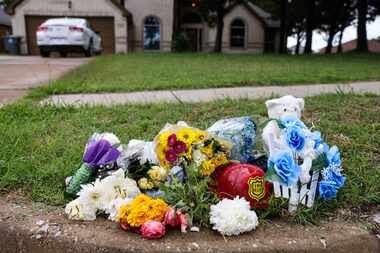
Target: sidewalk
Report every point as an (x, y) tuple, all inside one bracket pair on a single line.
[(206, 95)]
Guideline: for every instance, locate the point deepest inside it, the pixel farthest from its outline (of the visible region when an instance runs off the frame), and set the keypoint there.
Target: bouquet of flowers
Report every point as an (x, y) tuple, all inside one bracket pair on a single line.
[(179, 145), (99, 159), (298, 145)]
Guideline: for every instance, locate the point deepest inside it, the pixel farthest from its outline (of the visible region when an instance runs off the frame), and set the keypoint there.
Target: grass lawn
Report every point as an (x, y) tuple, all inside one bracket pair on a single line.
[(40, 146), (159, 71)]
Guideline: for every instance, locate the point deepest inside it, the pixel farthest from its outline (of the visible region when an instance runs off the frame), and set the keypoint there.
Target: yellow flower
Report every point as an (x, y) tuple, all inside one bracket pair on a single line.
[(200, 136), (220, 160), (145, 184), (207, 168), (123, 214), (144, 208), (208, 150), (186, 135), (157, 173)]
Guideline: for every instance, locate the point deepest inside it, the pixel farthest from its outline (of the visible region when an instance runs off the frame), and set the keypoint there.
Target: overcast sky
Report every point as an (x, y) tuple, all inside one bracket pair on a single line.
[(373, 30)]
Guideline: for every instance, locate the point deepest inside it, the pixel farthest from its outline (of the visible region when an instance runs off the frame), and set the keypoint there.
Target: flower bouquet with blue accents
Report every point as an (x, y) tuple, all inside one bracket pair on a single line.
[(297, 160)]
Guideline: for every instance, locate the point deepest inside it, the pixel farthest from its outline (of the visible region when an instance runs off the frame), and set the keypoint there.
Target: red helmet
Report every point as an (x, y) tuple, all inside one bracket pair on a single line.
[(246, 181)]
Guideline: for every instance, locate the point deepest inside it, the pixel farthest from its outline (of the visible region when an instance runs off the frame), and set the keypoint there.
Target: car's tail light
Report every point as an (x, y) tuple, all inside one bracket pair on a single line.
[(42, 29), (76, 29)]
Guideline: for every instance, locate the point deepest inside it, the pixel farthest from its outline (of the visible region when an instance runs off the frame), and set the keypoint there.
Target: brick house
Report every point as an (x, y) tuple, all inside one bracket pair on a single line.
[(373, 46), (150, 25)]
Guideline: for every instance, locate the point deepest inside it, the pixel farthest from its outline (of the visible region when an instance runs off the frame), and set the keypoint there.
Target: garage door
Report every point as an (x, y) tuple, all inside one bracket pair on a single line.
[(103, 25)]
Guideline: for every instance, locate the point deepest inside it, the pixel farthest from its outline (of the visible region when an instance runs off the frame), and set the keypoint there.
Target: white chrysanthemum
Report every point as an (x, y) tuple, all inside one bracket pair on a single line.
[(113, 208), (233, 217), (80, 210), (94, 194)]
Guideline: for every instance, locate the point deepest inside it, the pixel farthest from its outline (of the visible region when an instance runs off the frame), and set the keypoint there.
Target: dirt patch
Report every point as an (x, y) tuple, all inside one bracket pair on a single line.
[(33, 227)]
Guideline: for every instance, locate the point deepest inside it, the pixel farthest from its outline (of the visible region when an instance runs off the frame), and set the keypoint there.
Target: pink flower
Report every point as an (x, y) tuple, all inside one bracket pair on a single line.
[(171, 155), (171, 218), (172, 139), (182, 220), (152, 230), (176, 218), (124, 226), (179, 147)]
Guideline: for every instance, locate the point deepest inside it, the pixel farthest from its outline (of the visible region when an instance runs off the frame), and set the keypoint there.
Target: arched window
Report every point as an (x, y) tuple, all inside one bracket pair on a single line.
[(238, 33), (152, 33)]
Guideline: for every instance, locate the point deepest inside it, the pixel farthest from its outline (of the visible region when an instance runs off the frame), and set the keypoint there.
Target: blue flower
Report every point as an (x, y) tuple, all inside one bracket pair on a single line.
[(291, 121), (331, 173), (327, 189), (317, 138), (286, 168), (295, 138), (333, 156), (326, 148)]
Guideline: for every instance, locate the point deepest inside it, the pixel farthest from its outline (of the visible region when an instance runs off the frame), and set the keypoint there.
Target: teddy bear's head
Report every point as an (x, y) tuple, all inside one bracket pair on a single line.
[(285, 106)]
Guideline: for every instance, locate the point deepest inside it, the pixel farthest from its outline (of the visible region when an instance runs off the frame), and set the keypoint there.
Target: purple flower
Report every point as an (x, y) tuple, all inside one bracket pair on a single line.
[(172, 139), (179, 147), (171, 155), (100, 153)]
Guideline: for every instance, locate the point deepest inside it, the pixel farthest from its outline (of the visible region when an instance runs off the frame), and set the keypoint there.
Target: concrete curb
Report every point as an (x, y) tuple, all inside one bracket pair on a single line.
[(206, 95), (18, 219)]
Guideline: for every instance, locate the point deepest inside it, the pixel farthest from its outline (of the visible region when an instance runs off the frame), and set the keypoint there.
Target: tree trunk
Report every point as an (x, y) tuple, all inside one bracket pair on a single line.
[(219, 31), (298, 45), (332, 32), (283, 27), (362, 44), (309, 27), (340, 48)]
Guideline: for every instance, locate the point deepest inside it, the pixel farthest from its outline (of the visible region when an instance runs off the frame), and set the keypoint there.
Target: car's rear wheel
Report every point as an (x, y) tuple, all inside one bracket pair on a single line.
[(44, 52), (90, 51)]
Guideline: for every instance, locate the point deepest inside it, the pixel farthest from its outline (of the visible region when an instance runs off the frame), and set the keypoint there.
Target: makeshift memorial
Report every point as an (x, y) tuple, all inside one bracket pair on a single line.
[(246, 181), (241, 132), (186, 177), (293, 150), (99, 159)]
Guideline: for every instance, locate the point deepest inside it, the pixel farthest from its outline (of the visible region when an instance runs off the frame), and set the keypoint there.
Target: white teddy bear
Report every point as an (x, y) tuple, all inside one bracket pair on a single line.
[(274, 139)]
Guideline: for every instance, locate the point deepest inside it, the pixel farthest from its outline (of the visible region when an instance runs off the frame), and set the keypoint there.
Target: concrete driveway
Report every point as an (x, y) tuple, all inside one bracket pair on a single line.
[(20, 73)]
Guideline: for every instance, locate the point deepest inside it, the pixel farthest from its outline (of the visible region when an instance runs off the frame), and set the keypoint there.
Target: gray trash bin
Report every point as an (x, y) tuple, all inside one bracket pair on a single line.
[(12, 44)]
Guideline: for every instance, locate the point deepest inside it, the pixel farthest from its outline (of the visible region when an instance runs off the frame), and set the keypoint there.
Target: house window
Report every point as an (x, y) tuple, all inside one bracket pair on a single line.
[(238, 33), (152, 33)]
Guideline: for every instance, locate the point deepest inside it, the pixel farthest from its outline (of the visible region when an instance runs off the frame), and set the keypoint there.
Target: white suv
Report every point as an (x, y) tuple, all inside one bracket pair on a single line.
[(67, 35)]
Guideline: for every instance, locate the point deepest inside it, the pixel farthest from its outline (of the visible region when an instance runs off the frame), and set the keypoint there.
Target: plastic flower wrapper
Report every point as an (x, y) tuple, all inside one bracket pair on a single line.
[(100, 155), (241, 132), (233, 217), (141, 151)]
